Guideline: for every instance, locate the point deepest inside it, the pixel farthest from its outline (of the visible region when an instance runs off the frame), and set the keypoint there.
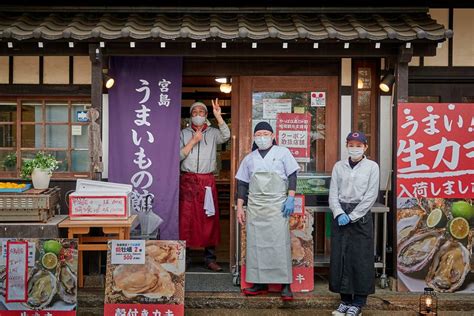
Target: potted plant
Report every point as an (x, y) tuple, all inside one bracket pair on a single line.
[(40, 169)]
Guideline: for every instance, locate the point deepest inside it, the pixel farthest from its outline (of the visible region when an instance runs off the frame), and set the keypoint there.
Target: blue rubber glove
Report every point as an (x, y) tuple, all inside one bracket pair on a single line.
[(288, 206), (343, 219)]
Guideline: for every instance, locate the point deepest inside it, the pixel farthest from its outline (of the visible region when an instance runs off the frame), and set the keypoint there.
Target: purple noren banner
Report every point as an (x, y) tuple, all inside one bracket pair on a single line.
[(144, 127)]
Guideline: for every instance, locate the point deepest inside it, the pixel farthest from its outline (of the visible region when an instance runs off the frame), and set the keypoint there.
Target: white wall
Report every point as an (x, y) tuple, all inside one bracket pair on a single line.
[(385, 140), (346, 121)]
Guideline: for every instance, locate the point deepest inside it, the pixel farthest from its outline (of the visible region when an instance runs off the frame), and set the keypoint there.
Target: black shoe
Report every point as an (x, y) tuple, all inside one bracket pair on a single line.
[(256, 289), (286, 293)]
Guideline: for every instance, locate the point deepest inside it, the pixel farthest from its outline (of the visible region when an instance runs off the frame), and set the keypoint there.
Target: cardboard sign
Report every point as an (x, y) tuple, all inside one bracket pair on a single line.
[(97, 206), (17, 272), (49, 286), (127, 292), (294, 132), (128, 252)]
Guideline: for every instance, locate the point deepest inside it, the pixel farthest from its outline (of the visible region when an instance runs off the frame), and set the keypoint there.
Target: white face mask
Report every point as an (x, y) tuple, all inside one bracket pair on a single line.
[(355, 152), (198, 120), (263, 142)]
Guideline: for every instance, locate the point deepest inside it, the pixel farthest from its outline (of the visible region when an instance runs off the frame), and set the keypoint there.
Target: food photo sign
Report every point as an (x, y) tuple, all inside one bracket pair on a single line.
[(39, 277), (435, 194), (302, 253), (145, 278)]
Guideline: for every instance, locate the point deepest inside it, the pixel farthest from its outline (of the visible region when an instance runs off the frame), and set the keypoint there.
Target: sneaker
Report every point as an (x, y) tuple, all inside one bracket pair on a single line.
[(341, 310), (354, 311)]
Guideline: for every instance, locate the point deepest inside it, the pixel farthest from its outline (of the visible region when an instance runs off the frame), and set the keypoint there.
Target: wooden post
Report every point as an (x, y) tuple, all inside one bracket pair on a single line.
[(400, 96), (95, 55)]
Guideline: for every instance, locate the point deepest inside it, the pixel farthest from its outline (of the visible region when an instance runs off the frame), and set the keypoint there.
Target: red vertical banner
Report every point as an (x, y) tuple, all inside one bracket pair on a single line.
[(435, 155), (293, 130)]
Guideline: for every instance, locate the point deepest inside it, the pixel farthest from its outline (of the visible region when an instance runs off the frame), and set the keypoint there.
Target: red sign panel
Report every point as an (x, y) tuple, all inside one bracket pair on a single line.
[(294, 132), (435, 150), (143, 309)]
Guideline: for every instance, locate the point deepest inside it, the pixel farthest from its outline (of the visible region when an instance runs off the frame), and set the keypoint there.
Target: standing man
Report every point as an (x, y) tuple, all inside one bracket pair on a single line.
[(198, 209), (268, 177), (353, 192)]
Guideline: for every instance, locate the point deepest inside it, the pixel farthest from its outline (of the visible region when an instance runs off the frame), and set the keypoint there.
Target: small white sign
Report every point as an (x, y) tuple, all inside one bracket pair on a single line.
[(31, 253), (318, 99), (76, 130), (128, 251), (17, 272), (271, 107), (97, 206), (299, 205), (82, 116)]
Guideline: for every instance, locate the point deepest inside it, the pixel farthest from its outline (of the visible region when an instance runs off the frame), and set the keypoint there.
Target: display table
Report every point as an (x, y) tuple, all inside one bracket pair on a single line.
[(32, 230), (115, 229)]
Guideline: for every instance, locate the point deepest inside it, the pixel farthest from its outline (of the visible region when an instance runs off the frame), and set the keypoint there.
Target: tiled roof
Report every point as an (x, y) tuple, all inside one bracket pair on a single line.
[(317, 27)]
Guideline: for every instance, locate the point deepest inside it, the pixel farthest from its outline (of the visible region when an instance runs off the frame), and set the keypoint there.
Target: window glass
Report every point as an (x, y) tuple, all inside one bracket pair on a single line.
[(62, 158), (308, 148), (7, 160), (56, 136), (31, 112), (79, 137), (8, 135), (80, 160), (7, 112), (32, 136), (57, 112)]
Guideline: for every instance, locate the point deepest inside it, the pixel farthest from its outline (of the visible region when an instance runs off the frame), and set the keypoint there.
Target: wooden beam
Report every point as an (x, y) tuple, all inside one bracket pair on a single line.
[(45, 90), (95, 55)]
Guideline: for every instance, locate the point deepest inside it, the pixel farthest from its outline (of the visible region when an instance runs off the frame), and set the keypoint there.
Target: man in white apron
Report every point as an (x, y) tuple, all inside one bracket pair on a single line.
[(268, 177)]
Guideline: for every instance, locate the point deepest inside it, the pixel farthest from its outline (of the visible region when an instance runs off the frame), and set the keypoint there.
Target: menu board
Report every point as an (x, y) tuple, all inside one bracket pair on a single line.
[(152, 287), (97, 206), (42, 281)]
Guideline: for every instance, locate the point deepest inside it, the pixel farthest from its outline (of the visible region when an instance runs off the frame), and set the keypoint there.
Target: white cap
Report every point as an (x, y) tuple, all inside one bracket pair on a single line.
[(195, 104)]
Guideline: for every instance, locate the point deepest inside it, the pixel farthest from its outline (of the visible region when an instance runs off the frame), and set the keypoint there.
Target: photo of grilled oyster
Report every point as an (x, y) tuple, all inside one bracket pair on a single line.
[(42, 287)]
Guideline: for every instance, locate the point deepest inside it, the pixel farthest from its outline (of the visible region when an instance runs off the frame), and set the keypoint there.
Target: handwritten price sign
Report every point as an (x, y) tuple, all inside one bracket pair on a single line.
[(128, 251), (17, 271)]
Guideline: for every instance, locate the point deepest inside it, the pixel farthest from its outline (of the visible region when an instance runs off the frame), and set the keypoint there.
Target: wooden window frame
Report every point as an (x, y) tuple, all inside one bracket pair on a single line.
[(374, 104), (58, 175)]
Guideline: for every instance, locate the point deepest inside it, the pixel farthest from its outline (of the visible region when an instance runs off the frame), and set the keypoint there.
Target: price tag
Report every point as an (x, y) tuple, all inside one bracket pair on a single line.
[(128, 251), (299, 204), (17, 272), (31, 253)]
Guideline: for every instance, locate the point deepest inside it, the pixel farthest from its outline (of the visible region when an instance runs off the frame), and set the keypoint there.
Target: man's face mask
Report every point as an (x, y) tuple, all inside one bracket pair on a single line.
[(198, 120), (263, 142)]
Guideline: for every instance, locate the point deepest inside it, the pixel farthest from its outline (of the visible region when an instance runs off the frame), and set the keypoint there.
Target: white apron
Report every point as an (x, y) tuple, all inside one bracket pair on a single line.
[(268, 258)]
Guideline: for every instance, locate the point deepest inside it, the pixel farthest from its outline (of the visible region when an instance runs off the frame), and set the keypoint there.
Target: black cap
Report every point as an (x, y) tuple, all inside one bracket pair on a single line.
[(263, 126)]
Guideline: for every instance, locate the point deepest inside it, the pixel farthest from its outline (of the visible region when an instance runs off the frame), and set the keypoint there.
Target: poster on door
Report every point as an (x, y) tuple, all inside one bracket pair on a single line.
[(293, 131), (145, 278), (435, 194), (302, 254), (40, 277)]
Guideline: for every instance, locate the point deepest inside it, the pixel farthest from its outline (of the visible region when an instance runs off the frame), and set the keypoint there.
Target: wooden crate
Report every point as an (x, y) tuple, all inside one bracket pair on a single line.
[(29, 206)]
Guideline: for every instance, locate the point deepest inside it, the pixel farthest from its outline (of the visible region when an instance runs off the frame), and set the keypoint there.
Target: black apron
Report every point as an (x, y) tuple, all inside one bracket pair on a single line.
[(352, 268)]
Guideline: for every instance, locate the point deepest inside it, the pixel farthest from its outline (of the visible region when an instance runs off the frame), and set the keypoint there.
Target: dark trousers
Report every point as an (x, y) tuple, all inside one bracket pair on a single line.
[(209, 255), (356, 300)]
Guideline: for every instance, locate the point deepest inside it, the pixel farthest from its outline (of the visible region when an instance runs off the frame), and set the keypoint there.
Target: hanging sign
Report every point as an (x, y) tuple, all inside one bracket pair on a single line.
[(435, 191), (153, 284), (293, 131)]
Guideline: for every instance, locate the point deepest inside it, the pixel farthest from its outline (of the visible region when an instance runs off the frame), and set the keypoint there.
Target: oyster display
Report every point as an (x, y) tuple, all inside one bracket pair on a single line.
[(450, 266), (417, 251), (408, 221), (166, 255), (67, 284), (42, 287), (149, 280)]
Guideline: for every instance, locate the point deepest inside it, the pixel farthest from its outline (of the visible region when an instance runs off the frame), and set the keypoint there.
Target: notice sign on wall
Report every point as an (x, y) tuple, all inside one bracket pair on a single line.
[(41, 282), (97, 206), (154, 286), (294, 132)]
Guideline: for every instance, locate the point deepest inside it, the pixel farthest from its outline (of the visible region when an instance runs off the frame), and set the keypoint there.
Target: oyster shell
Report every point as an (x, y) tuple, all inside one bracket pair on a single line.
[(408, 221), (67, 284), (42, 287), (149, 280), (417, 251), (450, 266)]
